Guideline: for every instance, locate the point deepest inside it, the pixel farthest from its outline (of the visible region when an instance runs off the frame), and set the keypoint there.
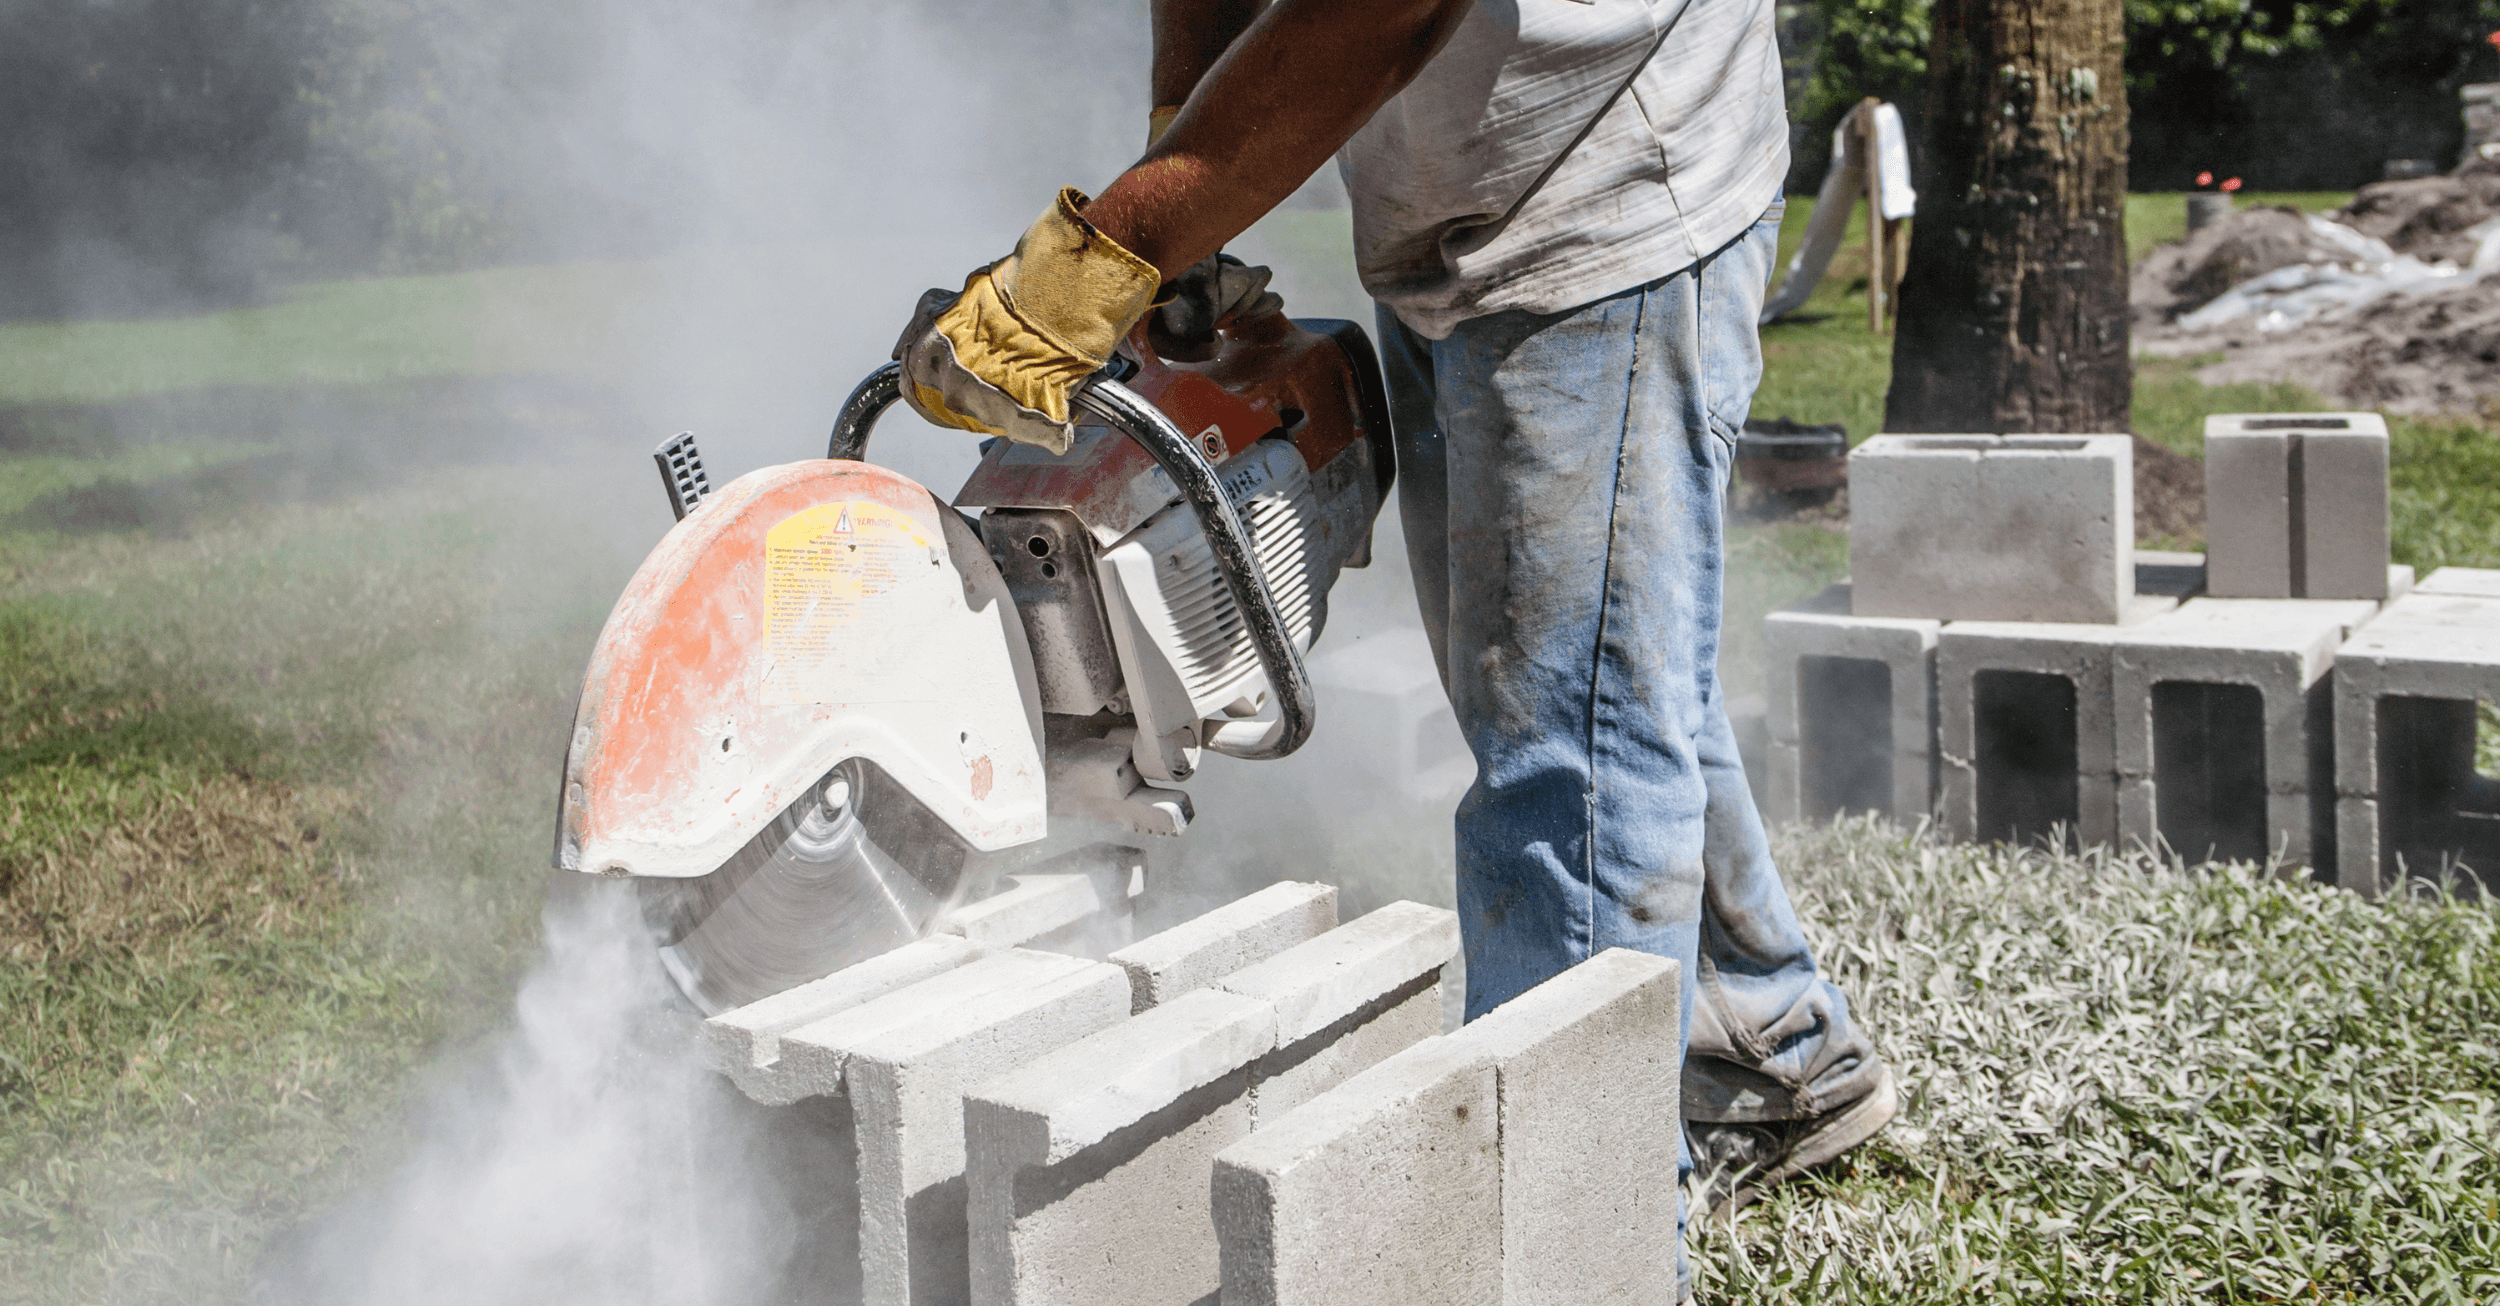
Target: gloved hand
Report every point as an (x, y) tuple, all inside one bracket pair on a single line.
[(1219, 289), (1002, 356)]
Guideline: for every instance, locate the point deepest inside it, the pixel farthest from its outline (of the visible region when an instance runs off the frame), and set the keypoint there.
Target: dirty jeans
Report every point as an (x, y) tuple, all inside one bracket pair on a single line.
[(1562, 479)]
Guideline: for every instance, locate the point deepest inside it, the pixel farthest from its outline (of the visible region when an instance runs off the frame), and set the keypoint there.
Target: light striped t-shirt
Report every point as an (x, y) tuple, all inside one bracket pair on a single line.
[(1679, 165)]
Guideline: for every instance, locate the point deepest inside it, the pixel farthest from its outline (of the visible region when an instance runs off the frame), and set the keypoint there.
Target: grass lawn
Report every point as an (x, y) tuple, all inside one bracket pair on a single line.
[(293, 603)]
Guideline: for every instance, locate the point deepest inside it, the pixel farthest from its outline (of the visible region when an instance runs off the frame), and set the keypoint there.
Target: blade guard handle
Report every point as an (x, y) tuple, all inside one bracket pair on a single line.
[(1127, 412)]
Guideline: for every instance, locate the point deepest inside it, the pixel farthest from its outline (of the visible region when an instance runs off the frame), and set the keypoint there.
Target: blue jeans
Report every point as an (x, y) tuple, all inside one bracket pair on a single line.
[(1562, 483)]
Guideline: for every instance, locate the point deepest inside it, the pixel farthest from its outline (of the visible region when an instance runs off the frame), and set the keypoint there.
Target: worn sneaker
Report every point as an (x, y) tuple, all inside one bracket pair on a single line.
[(1737, 1162)]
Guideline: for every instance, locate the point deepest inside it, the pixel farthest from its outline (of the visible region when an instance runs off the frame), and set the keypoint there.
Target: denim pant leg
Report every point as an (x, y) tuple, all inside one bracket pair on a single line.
[(1562, 480)]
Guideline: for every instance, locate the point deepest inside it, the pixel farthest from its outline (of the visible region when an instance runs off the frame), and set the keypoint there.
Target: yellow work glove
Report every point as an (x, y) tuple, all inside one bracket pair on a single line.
[(1001, 357)]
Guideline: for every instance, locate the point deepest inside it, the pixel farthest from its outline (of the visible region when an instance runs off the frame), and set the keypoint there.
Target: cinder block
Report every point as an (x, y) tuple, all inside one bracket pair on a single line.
[(1249, 930), (1992, 528), (1314, 985), (1073, 1189), (2406, 686), (2025, 735), (1852, 713), (2296, 505), (1347, 1000), (2248, 510), (2223, 737), (2344, 509), (1078, 902), (1089, 1168), (745, 1043), (906, 1060), (1586, 1066), (1301, 1070), (2469, 582), (1384, 1190)]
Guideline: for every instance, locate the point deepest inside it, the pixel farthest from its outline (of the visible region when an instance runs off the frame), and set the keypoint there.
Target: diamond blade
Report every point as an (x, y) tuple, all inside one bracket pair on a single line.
[(813, 893)]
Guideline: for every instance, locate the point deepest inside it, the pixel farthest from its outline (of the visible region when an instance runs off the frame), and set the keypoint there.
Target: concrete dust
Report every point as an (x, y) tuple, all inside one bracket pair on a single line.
[(587, 1157)]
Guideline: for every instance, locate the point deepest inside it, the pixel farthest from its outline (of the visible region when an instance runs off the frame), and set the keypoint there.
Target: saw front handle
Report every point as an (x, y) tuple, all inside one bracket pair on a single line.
[(1125, 411)]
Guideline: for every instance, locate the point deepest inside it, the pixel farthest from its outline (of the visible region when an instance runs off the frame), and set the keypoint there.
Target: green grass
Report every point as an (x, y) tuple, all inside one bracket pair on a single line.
[(272, 804)]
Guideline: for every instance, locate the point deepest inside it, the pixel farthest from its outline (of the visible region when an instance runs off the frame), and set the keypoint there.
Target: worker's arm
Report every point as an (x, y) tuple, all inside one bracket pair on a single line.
[(1004, 355), (1190, 35), (1269, 111)]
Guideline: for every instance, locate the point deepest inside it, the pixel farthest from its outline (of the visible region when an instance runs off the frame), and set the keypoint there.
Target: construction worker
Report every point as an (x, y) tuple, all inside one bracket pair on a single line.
[(1567, 210)]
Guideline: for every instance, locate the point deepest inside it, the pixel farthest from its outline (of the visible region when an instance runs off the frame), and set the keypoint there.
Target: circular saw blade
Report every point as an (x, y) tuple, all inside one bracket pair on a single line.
[(812, 893)]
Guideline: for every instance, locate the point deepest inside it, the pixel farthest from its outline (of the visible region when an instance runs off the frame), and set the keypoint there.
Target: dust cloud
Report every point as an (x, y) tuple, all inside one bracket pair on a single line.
[(758, 192), (589, 1159)]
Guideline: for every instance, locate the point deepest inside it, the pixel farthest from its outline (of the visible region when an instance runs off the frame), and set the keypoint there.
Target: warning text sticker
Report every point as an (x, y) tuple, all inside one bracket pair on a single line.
[(830, 635)]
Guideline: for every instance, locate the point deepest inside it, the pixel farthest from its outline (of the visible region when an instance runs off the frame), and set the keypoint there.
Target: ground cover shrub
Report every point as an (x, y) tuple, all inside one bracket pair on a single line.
[(2136, 1081)]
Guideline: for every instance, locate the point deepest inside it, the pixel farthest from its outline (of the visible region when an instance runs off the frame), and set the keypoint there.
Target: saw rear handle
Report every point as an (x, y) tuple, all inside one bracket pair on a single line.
[(1127, 412)]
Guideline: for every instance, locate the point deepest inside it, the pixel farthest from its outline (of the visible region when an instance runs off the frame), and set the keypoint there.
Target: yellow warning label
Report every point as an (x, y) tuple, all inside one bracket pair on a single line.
[(824, 569)]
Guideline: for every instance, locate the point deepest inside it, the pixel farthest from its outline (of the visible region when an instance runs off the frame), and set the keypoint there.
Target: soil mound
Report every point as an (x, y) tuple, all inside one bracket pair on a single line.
[(2435, 353), (2415, 333), (2428, 217), (2176, 279)]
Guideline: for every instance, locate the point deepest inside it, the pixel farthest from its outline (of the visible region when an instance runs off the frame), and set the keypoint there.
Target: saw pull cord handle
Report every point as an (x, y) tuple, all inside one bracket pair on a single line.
[(1128, 413)]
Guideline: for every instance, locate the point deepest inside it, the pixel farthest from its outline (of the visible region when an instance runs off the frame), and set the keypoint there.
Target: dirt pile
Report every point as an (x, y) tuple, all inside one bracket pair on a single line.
[(2435, 353), (2182, 278), (2382, 309), (2428, 217)]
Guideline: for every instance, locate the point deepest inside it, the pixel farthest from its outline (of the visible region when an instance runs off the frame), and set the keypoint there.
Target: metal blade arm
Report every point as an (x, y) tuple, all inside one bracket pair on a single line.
[(1127, 412)]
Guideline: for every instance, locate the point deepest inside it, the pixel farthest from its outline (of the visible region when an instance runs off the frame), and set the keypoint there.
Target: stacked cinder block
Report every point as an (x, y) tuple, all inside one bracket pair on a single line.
[(1089, 1167), (1519, 1160), (2407, 693), (2001, 634), (2224, 728), (1254, 1107), (1005, 1106), (1851, 711), (2296, 506)]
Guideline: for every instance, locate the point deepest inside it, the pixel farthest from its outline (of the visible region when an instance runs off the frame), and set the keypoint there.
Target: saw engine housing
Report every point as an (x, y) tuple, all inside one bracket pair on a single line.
[(810, 752)]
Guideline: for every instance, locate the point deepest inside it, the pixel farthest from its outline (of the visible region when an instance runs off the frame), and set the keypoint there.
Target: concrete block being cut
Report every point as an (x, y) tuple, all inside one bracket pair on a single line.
[(2224, 730), (2296, 505), (1586, 1065), (1079, 902), (1348, 999), (1198, 952), (1384, 1190), (1992, 528), (906, 1060), (1851, 715), (745, 1043), (1089, 1168), (2407, 687)]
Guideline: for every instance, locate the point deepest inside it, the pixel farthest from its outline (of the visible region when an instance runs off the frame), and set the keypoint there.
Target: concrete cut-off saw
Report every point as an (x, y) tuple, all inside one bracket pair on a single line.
[(831, 708)]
